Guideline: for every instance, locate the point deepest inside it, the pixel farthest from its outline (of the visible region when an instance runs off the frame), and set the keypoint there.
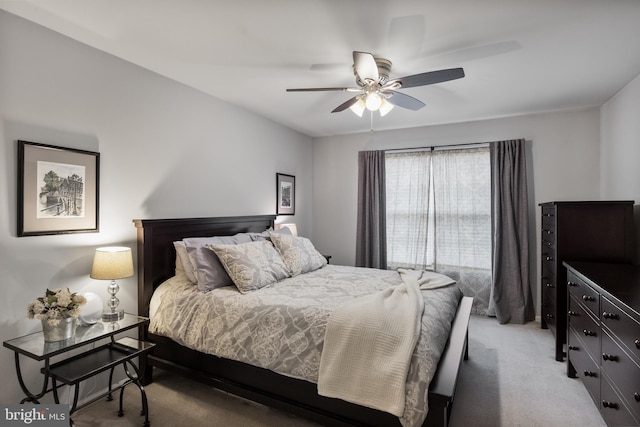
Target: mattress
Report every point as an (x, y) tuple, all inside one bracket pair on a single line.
[(281, 327)]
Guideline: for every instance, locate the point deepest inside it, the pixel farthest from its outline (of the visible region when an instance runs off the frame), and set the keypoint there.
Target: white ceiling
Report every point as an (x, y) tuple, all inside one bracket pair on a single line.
[(519, 56)]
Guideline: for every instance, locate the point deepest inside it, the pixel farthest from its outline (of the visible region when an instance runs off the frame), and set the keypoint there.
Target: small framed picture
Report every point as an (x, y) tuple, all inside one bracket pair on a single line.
[(286, 191), (58, 190)]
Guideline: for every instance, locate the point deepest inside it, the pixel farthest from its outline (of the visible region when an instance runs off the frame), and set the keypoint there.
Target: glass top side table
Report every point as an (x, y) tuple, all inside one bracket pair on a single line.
[(88, 362)]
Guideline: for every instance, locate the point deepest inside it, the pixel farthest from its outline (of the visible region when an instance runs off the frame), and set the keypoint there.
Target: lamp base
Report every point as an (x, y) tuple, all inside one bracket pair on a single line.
[(109, 316)]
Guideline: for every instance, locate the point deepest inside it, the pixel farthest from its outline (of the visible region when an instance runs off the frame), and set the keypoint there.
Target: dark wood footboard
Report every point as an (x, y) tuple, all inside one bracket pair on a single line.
[(156, 263)]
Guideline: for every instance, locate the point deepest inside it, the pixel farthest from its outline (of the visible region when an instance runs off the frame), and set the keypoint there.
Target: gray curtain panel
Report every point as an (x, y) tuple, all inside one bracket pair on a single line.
[(371, 241), (511, 298)]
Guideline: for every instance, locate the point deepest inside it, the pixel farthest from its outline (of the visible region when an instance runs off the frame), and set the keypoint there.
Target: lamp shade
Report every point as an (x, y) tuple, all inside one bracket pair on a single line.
[(385, 107), (358, 107), (110, 263)]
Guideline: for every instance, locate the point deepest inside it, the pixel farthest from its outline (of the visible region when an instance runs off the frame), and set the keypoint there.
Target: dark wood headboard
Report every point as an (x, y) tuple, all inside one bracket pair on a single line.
[(157, 256)]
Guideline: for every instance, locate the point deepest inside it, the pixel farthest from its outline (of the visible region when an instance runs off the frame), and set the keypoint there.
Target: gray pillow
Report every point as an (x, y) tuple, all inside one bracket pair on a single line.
[(208, 271), (298, 253), (251, 266)]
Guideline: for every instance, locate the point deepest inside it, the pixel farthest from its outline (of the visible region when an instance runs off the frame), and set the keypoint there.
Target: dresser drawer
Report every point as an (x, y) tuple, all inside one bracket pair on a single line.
[(548, 216), (548, 246), (586, 368), (613, 409), (626, 329), (623, 371), (585, 293), (548, 267), (548, 231), (549, 311), (585, 326)]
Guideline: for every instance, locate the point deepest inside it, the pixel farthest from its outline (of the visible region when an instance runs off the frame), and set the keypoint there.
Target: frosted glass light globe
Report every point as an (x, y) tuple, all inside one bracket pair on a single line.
[(373, 101)]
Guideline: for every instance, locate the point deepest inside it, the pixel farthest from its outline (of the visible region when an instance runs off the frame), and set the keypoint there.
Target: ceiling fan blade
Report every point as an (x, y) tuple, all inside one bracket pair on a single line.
[(404, 101), (365, 66), (325, 89), (345, 105), (431, 77)]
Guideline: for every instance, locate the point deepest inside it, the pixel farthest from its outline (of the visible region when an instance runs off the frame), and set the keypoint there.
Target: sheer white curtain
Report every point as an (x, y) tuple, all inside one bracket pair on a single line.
[(407, 192), (462, 193), (439, 216)]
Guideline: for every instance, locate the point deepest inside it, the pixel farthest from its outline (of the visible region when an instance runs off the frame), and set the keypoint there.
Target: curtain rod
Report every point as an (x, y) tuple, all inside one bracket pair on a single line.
[(434, 147)]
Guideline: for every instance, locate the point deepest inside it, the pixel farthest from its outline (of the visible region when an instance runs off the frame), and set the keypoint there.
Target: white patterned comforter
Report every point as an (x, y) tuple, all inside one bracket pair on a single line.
[(281, 327)]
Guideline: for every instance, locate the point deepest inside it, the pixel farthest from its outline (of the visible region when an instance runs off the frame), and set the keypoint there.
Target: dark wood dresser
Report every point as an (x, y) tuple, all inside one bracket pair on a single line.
[(578, 231), (604, 337)]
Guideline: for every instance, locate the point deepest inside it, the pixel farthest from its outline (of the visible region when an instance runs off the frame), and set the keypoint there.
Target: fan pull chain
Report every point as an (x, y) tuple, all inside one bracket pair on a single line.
[(371, 112)]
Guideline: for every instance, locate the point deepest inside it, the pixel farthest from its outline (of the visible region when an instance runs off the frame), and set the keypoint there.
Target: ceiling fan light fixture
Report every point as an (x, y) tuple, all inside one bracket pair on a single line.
[(385, 107), (375, 89), (358, 107), (373, 102)]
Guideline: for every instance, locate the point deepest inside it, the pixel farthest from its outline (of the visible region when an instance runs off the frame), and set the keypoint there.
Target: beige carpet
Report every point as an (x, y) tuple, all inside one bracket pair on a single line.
[(177, 401), (511, 380)]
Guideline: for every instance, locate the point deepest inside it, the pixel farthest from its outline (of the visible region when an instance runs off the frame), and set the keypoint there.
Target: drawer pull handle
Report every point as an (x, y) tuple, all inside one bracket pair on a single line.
[(588, 333), (549, 316), (611, 405), (589, 374), (637, 342), (547, 231), (548, 258), (573, 348), (588, 298), (572, 313), (610, 357), (549, 285), (636, 396), (572, 284), (612, 316)]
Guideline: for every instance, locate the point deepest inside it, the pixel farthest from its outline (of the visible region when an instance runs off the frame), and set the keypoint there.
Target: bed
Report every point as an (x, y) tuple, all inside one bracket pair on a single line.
[(156, 264)]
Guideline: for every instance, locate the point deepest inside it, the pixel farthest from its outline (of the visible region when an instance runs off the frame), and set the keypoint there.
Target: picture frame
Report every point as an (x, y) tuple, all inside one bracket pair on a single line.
[(58, 190), (286, 194)]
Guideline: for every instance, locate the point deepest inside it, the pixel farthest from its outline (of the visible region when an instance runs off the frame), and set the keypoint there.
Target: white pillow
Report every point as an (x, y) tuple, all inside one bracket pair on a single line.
[(298, 253), (251, 266)]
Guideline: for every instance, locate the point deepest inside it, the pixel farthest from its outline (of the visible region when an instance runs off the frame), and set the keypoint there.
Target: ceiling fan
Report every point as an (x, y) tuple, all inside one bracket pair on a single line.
[(376, 92)]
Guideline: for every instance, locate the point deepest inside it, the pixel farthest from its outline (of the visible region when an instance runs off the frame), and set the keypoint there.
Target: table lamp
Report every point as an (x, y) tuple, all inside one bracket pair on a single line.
[(111, 263)]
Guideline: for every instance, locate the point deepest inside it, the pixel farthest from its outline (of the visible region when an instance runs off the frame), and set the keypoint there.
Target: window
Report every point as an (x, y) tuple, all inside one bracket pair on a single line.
[(439, 214)]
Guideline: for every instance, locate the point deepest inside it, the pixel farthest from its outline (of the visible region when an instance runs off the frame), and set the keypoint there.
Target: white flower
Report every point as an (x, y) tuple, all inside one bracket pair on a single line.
[(56, 305)]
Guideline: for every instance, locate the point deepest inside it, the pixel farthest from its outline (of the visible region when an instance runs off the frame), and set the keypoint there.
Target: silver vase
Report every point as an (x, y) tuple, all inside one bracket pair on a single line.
[(60, 332)]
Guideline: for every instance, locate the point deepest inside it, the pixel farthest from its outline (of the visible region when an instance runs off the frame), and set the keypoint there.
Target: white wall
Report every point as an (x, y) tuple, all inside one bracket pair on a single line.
[(166, 150), (563, 165), (620, 150)]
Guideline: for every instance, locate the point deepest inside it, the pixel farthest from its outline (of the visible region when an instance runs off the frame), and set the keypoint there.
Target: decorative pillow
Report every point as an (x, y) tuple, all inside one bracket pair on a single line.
[(298, 253), (183, 263), (251, 266), (209, 273)]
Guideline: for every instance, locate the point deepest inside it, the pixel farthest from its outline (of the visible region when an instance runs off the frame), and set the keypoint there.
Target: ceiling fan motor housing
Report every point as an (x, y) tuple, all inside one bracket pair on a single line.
[(384, 69)]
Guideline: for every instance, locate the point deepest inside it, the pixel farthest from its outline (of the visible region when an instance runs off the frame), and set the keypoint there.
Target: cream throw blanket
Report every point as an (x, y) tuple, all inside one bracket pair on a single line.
[(369, 342)]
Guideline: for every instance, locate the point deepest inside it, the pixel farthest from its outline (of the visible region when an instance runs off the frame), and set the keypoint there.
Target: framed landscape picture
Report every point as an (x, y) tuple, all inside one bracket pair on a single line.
[(58, 190), (286, 191)]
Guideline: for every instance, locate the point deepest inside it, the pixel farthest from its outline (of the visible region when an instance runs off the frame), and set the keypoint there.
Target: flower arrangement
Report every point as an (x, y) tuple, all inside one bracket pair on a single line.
[(55, 306)]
